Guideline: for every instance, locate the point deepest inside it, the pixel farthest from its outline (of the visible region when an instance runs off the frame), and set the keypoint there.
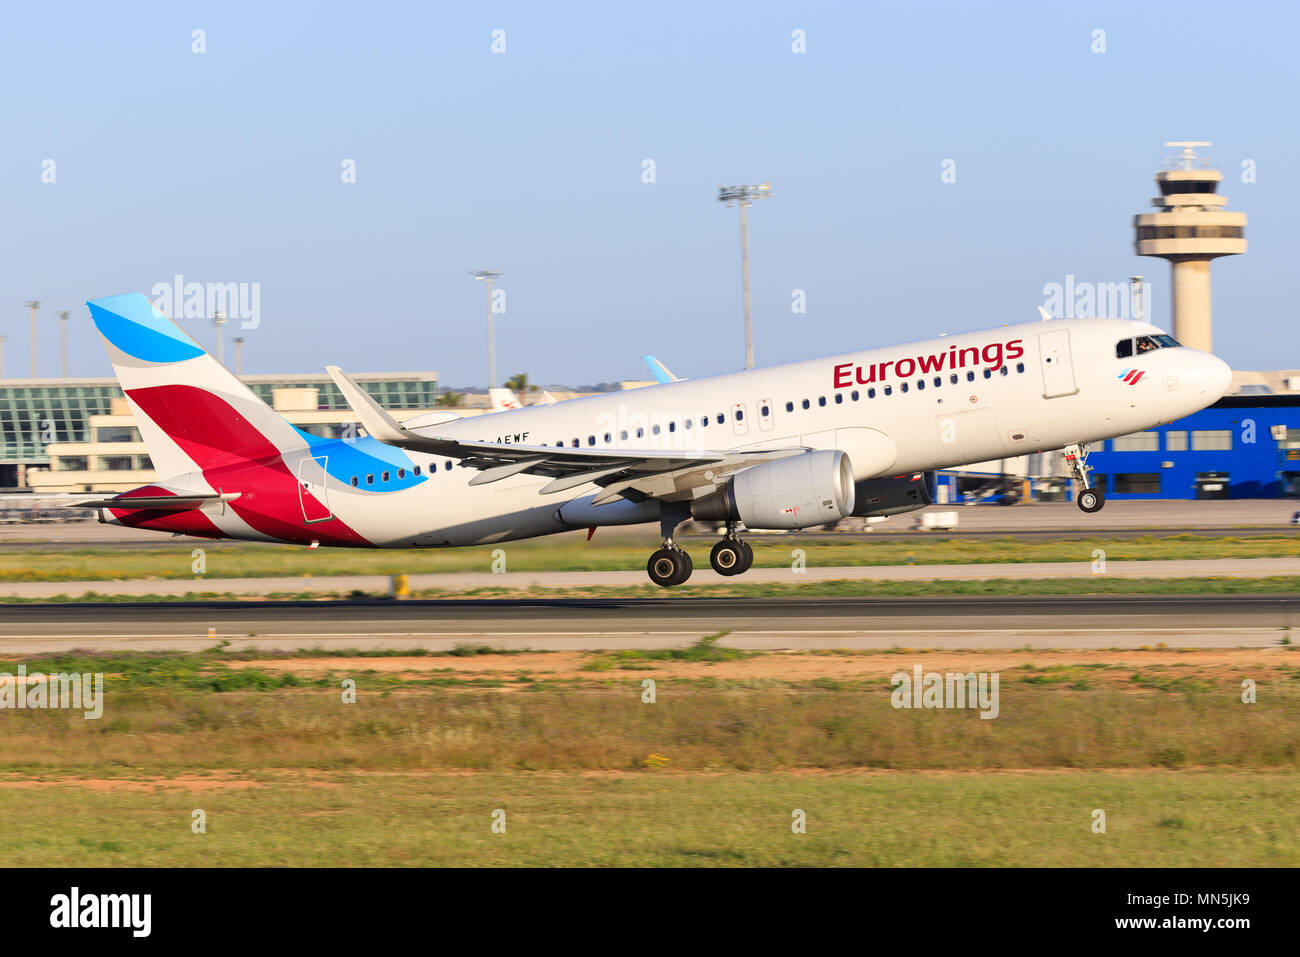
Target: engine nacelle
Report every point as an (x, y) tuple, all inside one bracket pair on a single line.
[(814, 488), (889, 496)]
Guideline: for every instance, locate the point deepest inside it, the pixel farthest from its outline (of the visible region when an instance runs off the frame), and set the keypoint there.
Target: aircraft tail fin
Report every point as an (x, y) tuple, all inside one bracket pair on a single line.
[(193, 414)]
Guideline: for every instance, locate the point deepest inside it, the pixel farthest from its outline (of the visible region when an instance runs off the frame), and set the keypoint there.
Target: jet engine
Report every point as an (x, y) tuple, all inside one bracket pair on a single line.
[(889, 496), (814, 488)]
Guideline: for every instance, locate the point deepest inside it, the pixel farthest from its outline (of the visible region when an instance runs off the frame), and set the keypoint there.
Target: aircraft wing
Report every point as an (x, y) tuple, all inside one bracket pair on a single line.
[(672, 475)]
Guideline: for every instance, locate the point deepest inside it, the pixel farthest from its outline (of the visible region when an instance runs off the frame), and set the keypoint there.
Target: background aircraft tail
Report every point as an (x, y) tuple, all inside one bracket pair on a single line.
[(193, 414)]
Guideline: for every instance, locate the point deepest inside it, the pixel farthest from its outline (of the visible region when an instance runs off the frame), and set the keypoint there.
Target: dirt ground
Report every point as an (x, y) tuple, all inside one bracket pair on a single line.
[(795, 666)]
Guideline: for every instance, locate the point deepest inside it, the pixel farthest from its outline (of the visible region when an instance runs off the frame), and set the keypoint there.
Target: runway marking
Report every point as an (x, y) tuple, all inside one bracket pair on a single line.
[(1009, 632)]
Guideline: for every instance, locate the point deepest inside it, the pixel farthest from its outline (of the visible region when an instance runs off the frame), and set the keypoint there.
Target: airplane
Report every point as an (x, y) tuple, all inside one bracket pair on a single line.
[(788, 446)]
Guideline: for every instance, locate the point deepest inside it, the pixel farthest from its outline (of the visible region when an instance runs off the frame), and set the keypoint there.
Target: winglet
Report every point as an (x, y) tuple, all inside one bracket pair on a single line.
[(659, 370), (1044, 313), (374, 418)]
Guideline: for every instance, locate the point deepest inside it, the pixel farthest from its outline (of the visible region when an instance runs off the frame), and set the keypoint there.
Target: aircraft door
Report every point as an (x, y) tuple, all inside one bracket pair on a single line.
[(313, 493), (1054, 359)]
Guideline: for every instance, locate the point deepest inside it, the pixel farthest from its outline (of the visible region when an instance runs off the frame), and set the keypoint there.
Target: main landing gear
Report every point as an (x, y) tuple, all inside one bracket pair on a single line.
[(731, 556), (1090, 498), (671, 565)]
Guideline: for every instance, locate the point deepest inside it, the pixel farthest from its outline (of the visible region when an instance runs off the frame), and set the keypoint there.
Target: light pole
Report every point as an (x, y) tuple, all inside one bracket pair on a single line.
[(2, 355), (744, 196), (486, 276), (239, 354), (33, 305), (63, 343), (1137, 297), (219, 321)]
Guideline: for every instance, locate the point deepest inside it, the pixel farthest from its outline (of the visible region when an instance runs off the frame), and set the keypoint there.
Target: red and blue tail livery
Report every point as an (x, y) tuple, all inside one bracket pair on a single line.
[(233, 466)]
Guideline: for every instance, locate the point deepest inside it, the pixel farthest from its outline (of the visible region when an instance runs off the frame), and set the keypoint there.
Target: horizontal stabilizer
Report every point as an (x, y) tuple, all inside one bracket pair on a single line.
[(170, 503)]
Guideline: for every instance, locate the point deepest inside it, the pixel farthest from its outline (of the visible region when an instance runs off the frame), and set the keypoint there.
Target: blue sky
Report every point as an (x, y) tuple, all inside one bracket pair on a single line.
[(225, 167)]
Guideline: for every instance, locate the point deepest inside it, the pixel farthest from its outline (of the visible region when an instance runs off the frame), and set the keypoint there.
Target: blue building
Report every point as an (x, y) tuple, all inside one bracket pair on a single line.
[(1243, 446)]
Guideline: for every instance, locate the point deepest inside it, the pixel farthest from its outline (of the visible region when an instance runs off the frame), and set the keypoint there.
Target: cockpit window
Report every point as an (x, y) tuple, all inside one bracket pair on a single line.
[(1126, 347)]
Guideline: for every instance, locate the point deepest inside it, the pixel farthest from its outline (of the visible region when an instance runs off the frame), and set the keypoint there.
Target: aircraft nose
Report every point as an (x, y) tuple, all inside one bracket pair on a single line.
[(1216, 376)]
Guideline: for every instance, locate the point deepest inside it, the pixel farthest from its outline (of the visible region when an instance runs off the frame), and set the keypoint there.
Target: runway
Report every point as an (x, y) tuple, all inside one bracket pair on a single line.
[(582, 624)]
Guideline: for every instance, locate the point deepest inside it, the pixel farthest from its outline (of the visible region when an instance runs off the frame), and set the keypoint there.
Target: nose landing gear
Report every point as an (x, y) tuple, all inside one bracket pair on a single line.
[(1090, 498)]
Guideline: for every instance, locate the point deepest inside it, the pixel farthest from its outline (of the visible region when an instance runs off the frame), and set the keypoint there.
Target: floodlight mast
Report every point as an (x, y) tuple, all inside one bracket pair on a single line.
[(744, 196), (486, 276)]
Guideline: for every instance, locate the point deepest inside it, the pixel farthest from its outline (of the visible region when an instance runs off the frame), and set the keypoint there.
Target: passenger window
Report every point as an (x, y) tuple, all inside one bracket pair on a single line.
[(623, 435), (721, 418), (591, 440), (938, 381), (639, 432), (953, 378), (854, 395), (1003, 370), (354, 481), (889, 390), (806, 404), (902, 387), (689, 422), (654, 429), (920, 383), (988, 373), (1123, 348), (740, 415), (839, 398), (1020, 367), (704, 421), (970, 376), (672, 426), (384, 477), (821, 401), (608, 438), (401, 473), (789, 406), (370, 479), (417, 470), (764, 411), (446, 466), (576, 443), (871, 393)]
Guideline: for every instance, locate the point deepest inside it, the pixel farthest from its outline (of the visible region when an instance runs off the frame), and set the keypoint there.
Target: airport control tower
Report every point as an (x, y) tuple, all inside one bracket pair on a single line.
[(1190, 230)]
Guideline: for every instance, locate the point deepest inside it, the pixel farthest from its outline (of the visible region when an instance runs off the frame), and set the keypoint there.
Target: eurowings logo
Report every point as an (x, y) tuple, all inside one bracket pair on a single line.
[(1131, 376)]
